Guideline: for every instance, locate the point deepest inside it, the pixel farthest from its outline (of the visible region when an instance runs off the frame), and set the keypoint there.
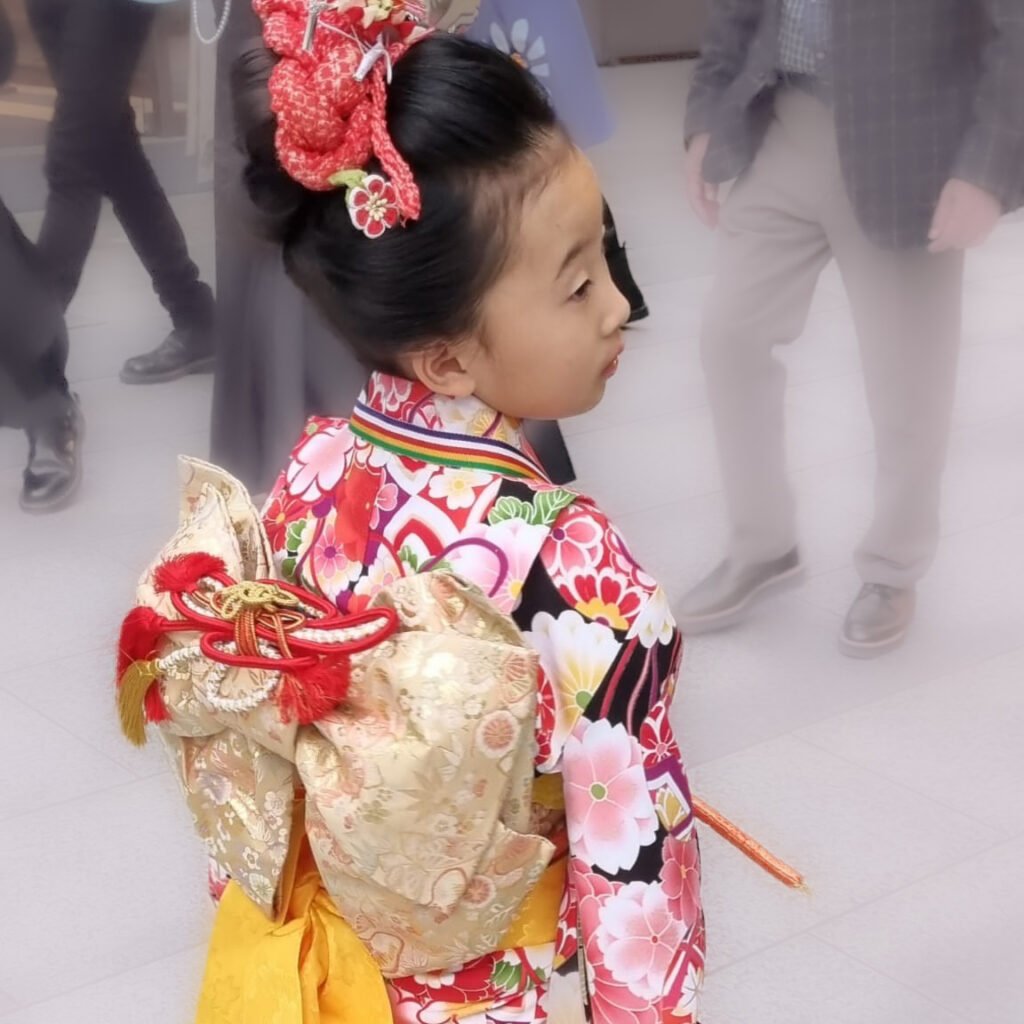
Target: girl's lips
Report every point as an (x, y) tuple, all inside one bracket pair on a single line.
[(613, 367)]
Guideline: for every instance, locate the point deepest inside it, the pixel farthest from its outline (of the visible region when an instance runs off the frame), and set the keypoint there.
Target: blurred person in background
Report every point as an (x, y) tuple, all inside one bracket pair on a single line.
[(34, 394), (92, 48), (889, 137)]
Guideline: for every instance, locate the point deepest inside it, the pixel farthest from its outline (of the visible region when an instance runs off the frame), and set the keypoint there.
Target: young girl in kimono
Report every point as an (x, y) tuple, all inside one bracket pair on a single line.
[(427, 199)]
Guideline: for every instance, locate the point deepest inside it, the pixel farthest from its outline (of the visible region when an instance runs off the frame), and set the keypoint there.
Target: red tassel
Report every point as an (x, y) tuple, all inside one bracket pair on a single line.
[(156, 709), (180, 574), (309, 694), (141, 633)]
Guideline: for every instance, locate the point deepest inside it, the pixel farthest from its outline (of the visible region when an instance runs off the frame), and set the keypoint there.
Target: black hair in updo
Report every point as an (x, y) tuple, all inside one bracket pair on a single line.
[(479, 134)]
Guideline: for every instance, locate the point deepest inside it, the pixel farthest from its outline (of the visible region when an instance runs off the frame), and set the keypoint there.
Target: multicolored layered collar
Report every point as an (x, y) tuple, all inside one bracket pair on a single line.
[(410, 420)]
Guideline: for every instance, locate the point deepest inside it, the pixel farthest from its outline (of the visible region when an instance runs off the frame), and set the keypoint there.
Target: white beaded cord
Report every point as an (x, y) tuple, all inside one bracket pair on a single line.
[(178, 663), (218, 31)]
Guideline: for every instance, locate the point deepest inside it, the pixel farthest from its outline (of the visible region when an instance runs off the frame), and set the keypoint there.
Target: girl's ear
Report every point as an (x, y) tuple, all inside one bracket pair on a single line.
[(445, 367)]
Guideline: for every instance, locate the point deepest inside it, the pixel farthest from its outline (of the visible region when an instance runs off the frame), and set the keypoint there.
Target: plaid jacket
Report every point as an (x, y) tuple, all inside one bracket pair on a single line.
[(923, 90)]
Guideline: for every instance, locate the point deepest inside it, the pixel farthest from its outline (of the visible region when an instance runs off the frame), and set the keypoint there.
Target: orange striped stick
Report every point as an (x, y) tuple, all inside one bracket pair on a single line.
[(747, 845)]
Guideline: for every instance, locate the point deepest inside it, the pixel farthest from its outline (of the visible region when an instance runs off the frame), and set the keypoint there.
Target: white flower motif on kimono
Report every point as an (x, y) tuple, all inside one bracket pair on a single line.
[(576, 655), (382, 573), (529, 53), (639, 936), (654, 624), (692, 989), (607, 803), (319, 463), (458, 487), (394, 393), (442, 979)]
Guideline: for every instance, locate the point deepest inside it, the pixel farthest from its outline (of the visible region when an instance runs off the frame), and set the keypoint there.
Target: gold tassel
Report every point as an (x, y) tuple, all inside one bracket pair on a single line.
[(131, 699), (747, 845)]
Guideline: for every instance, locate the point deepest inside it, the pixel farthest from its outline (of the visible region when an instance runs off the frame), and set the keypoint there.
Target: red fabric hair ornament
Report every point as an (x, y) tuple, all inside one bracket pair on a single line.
[(329, 93)]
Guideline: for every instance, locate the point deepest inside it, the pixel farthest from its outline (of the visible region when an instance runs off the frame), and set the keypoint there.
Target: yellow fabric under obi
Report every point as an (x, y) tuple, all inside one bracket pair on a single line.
[(309, 966)]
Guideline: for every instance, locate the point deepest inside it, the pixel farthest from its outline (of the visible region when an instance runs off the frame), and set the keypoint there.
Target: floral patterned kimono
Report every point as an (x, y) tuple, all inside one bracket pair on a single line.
[(414, 481)]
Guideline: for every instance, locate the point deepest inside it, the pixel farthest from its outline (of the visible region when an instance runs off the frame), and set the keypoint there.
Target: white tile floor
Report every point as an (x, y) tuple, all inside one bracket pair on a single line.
[(896, 786)]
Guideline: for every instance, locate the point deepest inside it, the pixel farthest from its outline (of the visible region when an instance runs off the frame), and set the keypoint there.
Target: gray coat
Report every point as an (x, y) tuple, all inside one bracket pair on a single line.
[(923, 90)]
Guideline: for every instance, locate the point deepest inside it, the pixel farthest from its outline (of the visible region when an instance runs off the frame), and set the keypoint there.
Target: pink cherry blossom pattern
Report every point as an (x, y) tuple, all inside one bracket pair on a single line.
[(680, 878), (608, 804), (373, 206), (612, 1002), (639, 937), (498, 558), (334, 570)]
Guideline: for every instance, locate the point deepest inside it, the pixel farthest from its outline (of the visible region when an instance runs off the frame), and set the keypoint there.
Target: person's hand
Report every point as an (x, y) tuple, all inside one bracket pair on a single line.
[(965, 217), (703, 195), (452, 15)]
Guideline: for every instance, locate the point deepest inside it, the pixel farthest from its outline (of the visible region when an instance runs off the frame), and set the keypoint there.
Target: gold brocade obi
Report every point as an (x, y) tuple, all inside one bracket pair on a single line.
[(418, 788)]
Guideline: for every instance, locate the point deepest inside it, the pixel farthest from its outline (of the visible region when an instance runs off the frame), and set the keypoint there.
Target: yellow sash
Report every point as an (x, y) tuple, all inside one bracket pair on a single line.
[(309, 966)]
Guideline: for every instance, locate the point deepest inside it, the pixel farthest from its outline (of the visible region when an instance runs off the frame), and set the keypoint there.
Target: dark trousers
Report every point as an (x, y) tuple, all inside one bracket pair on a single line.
[(93, 48), (33, 339)]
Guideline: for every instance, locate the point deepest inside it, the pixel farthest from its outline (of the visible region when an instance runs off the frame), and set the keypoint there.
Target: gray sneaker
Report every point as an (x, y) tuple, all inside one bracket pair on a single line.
[(726, 596), (878, 620)]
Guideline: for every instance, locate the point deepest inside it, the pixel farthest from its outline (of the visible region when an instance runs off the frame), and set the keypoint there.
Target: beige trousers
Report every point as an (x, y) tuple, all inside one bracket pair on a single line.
[(784, 220)]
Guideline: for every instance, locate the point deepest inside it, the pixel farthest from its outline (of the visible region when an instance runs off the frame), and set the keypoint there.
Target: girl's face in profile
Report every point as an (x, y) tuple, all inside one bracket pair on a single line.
[(552, 324)]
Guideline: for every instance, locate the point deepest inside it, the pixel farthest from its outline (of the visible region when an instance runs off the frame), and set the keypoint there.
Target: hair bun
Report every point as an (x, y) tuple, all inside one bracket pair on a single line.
[(324, 115)]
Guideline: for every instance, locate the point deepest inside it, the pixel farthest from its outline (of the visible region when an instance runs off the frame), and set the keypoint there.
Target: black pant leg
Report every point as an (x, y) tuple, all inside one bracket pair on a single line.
[(93, 48), (152, 227)]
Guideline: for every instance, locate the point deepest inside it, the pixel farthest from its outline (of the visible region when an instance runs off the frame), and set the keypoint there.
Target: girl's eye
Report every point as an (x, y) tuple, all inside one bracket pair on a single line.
[(583, 291)]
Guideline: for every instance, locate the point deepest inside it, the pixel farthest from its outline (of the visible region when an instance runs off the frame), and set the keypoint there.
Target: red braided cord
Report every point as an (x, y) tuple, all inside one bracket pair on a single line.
[(327, 121)]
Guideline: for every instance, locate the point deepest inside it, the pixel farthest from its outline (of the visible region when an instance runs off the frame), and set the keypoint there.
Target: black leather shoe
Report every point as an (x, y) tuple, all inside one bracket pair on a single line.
[(54, 470), (622, 276), (180, 353)]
